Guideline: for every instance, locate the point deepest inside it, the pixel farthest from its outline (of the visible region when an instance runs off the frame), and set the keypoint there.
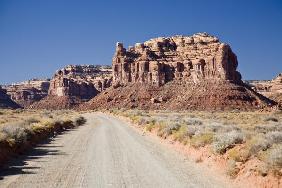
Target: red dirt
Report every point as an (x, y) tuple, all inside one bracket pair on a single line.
[(179, 96), (56, 103)]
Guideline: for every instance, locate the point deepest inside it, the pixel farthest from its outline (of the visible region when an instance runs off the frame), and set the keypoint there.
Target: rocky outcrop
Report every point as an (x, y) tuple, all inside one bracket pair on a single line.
[(27, 92), (5, 101), (270, 88), (277, 84), (177, 73), (74, 84), (83, 81), (191, 59)]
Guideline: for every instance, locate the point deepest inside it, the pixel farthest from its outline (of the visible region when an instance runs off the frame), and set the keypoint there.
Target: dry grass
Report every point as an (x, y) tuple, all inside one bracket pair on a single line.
[(18, 126)]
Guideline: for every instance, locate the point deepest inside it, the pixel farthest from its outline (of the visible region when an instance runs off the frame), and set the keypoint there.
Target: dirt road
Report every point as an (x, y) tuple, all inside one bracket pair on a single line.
[(106, 152)]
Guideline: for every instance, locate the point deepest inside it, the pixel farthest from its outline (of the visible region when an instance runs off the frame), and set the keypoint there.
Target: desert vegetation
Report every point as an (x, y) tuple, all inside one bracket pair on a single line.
[(21, 129), (239, 137)]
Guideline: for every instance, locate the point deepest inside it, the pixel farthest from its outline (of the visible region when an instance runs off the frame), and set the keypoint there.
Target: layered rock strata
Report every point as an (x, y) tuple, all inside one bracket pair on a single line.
[(83, 81), (270, 88), (160, 60), (5, 101), (74, 84), (179, 72), (27, 92)]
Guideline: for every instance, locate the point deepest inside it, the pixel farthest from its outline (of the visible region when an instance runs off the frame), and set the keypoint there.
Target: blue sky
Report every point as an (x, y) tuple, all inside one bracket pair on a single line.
[(38, 37)]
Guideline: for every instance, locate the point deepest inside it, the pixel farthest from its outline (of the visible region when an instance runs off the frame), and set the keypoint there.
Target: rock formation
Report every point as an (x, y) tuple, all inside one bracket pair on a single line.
[(270, 88), (75, 83), (27, 92), (5, 101), (191, 59), (83, 81), (176, 73)]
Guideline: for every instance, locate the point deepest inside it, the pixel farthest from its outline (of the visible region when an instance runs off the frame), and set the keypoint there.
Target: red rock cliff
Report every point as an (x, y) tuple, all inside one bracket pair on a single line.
[(160, 60)]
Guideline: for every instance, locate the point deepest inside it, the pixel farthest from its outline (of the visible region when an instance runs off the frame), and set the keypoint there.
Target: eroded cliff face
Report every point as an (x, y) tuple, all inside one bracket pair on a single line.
[(277, 84), (160, 60), (270, 88), (83, 81), (75, 84), (178, 73), (5, 100), (27, 92)]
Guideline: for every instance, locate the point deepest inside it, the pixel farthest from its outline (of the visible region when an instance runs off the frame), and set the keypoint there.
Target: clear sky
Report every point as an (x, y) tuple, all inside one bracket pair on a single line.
[(38, 37)]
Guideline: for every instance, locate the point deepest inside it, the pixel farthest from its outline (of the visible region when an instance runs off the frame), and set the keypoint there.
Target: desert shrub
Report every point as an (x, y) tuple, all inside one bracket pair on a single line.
[(202, 139), (149, 123), (214, 127), (15, 133), (274, 137), (135, 118), (79, 121), (225, 141), (191, 130), (146, 120), (31, 120), (239, 154), (193, 121), (47, 114), (273, 119), (167, 128), (232, 169), (132, 113), (274, 158), (173, 126), (3, 137), (149, 127), (69, 123), (181, 134), (39, 127), (257, 144), (268, 128)]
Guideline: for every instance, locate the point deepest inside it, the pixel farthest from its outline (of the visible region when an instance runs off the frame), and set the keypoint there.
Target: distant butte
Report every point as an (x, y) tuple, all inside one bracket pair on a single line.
[(74, 84), (178, 72)]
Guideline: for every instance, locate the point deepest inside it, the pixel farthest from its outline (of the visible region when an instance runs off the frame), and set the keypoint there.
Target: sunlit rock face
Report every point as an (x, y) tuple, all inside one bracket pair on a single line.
[(5, 100), (188, 58), (83, 81), (269, 88), (27, 92)]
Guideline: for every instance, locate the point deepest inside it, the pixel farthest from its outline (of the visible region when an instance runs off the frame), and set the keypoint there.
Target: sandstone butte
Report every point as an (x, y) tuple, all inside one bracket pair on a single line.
[(74, 84), (176, 73)]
